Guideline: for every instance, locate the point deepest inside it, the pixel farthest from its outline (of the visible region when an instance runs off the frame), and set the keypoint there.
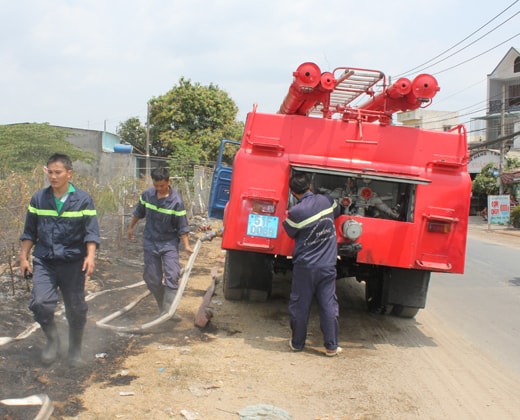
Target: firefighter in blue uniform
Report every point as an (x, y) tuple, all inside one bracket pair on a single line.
[(61, 224), (166, 224), (310, 223)]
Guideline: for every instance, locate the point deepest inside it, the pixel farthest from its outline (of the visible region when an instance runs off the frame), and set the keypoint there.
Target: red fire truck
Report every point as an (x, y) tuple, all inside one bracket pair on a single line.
[(404, 191)]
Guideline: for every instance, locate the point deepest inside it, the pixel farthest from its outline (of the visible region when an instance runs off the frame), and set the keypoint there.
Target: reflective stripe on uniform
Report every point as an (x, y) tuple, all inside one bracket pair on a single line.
[(312, 219), (161, 210), (54, 213)]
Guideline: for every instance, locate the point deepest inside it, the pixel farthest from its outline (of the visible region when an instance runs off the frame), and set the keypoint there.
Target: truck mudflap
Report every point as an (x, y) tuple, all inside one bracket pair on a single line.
[(406, 287), (396, 291), (247, 275)]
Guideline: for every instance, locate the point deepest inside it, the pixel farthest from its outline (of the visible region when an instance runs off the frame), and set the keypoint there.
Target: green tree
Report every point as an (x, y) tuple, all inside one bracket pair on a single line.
[(486, 183), (189, 121), (133, 132), (23, 147)]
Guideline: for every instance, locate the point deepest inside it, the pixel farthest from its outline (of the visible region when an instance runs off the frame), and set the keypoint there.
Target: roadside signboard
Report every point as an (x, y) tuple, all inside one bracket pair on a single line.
[(499, 209)]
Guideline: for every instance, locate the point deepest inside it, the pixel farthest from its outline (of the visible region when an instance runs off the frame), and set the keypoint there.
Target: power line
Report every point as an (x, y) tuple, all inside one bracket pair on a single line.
[(476, 56), (475, 111), (463, 48), (461, 91), (460, 42)]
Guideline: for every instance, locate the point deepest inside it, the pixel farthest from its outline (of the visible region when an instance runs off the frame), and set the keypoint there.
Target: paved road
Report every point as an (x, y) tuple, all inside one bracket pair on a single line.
[(483, 304)]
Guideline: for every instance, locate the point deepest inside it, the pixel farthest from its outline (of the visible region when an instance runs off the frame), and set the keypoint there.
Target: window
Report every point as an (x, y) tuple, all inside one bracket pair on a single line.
[(516, 66), (514, 95)]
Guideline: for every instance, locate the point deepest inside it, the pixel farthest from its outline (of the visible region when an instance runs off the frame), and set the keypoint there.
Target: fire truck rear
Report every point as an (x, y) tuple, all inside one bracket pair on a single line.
[(404, 192)]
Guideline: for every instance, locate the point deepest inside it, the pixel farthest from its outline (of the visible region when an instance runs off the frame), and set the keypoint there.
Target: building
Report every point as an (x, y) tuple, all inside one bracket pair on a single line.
[(503, 97), (428, 119), (108, 163), (502, 117), (113, 160)]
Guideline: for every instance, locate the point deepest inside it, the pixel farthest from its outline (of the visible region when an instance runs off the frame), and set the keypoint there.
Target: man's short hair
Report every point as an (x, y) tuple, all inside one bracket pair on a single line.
[(160, 174), (60, 157), (300, 182)]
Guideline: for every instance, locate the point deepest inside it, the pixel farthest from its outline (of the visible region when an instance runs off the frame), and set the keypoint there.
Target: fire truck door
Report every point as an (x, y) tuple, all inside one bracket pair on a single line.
[(220, 183)]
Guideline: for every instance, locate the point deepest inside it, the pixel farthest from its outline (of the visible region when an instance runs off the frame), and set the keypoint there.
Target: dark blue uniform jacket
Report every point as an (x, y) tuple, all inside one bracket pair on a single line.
[(311, 223), (61, 236), (165, 218)]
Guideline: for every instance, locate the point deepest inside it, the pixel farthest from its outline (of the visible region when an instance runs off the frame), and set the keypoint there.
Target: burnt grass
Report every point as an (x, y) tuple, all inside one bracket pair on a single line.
[(104, 351)]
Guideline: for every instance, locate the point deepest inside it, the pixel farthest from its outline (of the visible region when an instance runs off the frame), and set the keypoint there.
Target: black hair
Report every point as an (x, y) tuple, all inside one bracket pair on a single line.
[(300, 182), (160, 174), (60, 157)]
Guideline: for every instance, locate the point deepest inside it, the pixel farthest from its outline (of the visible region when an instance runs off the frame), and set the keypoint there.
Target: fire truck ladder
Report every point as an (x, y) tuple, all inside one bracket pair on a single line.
[(351, 83)]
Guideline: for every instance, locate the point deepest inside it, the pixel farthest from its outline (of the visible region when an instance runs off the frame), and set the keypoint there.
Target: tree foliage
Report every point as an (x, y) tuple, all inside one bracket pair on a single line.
[(132, 131), (186, 124), (486, 182), (190, 120), (24, 147)]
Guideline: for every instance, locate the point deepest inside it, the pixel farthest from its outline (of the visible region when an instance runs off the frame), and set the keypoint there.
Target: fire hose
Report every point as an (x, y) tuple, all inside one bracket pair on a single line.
[(34, 326), (104, 323), (38, 399)]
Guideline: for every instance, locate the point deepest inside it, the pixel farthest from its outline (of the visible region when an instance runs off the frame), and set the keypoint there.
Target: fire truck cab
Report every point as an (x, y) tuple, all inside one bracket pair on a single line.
[(404, 192)]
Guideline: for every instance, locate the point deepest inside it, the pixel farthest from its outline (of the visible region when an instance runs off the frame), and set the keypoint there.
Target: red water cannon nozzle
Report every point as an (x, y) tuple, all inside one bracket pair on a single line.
[(308, 88), (307, 76), (402, 87), (424, 87)]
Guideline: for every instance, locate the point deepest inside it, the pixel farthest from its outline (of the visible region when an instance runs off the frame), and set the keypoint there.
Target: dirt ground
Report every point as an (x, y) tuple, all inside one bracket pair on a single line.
[(240, 362)]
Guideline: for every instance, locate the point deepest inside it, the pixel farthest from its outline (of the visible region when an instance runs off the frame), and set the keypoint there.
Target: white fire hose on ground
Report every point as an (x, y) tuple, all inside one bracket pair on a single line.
[(104, 323), (38, 399)]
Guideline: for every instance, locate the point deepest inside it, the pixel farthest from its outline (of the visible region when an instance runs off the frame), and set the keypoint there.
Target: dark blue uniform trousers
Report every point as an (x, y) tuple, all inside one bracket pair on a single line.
[(161, 258), (51, 275), (307, 283)]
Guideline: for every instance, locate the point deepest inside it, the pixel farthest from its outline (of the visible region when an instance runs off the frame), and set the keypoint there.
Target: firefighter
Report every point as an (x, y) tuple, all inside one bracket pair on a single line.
[(165, 225), (310, 223), (61, 224)]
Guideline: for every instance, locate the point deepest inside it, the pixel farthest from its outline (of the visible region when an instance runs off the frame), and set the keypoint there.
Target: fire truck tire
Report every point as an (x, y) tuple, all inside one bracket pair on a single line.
[(247, 275), (404, 311)]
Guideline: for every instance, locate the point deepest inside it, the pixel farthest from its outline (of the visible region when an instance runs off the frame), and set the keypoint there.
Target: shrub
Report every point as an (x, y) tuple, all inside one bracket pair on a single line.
[(515, 216)]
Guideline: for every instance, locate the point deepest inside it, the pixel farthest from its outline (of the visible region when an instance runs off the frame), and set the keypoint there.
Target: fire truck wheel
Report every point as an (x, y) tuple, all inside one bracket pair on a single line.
[(404, 311)]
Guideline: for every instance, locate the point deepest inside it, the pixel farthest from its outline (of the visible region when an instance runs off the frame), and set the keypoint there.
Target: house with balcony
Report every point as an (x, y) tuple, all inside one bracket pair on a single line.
[(503, 97)]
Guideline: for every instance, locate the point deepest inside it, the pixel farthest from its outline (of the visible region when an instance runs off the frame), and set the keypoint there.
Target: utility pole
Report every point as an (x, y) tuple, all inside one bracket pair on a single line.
[(502, 134), (147, 151)]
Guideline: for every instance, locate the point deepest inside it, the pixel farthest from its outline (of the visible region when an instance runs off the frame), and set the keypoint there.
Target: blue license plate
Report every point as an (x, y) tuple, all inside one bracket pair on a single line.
[(264, 226)]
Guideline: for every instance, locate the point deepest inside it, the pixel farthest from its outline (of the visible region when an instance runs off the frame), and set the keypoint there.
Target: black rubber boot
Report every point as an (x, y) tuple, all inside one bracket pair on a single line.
[(50, 351), (169, 296), (159, 297), (75, 339)]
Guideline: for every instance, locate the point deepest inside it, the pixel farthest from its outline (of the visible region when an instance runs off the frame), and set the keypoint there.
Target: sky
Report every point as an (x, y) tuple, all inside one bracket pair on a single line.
[(93, 64)]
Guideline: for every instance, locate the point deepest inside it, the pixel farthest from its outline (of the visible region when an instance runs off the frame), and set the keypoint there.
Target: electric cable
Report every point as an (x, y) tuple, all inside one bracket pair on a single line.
[(460, 42)]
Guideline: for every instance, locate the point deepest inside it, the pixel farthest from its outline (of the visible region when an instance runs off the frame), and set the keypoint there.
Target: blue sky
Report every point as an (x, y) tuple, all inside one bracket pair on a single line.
[(95, 63)]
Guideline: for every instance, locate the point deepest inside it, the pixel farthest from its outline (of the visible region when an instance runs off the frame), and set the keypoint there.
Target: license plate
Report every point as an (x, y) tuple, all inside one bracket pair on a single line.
[(264, 226)]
